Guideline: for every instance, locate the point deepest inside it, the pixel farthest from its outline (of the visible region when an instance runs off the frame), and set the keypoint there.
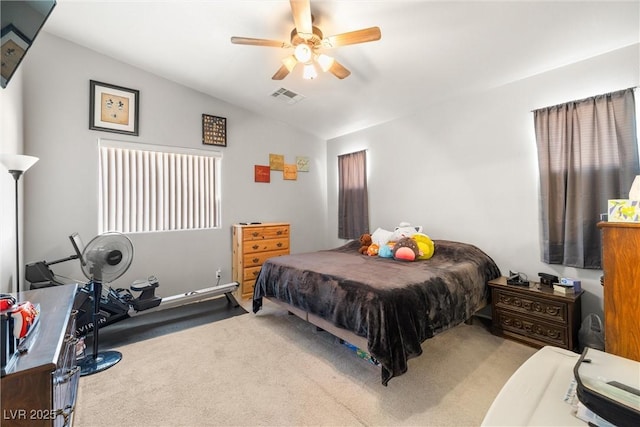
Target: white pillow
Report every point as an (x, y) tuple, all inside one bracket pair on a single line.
[(381, 236)]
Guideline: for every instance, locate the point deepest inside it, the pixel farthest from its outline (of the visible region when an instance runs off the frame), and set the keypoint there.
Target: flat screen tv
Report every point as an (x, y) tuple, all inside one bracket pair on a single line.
[(21, 22)]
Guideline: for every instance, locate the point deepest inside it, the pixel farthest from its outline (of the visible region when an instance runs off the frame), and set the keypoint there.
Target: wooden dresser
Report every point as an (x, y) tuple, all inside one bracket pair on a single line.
[(535, 314), (252, 245), (621, 265), (39, 387)]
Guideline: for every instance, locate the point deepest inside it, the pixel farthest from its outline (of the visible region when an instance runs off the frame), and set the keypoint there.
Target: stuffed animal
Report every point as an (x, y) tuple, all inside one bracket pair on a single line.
[(373, 249), (381, 236), (386, 251), (425, 245), (405, 249), (404, 230), (365, 242)]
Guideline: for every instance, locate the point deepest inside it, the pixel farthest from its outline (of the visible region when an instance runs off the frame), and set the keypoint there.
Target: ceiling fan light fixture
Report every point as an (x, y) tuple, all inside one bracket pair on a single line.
[(303, 53), (306, 40), (325, 62), (309, 72)]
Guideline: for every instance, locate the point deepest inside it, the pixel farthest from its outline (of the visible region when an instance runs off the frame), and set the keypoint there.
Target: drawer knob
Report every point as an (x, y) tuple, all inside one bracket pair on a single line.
[(279, 232), (554, 311), (255, 273), (279, 244), (255, 260), (255, 247), (255, 234), (553, 334)]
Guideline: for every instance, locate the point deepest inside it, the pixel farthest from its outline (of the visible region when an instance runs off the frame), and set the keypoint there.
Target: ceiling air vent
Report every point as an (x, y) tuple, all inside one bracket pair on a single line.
[(287, 96)]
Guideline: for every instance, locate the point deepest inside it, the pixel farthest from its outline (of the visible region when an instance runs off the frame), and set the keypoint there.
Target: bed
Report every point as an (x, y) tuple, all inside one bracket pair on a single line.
[(388, 305)]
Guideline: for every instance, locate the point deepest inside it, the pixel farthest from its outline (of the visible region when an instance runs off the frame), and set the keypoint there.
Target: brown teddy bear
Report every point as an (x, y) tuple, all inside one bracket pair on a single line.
[(365, 242)]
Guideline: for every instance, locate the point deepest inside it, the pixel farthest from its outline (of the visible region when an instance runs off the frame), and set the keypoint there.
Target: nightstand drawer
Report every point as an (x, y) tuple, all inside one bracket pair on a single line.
[(554, 311), (531, 327)]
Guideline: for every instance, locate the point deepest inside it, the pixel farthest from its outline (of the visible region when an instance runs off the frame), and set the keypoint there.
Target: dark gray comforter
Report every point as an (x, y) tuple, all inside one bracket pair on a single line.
[(396, 305)]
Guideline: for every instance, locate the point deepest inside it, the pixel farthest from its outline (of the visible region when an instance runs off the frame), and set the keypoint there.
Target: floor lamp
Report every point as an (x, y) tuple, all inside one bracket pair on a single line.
[(17, 164)]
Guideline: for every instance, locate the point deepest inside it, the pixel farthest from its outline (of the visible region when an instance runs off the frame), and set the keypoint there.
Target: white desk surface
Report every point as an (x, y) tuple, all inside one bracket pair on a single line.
[(534, 394)]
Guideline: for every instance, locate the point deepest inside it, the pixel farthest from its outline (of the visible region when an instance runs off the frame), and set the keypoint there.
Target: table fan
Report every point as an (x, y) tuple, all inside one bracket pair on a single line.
[(105, 258)]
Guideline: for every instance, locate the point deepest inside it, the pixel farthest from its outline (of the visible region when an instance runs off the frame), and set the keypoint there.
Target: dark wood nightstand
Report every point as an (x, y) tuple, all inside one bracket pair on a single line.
[(535, 315)]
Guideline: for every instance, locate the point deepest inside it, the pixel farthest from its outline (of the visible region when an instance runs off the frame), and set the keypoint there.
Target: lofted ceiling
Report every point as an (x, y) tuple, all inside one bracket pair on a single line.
[(429, 51)]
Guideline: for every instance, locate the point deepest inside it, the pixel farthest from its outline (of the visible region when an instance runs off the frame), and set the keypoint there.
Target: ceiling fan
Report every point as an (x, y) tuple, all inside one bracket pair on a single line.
[(307, 42)]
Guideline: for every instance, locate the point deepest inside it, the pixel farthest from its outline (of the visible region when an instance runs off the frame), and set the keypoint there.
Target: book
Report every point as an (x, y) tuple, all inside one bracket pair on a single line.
[(563, 289)]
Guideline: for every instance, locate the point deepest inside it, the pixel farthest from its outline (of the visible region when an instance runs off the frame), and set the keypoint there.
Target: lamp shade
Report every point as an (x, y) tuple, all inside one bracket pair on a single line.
[(634, 192), (309, 72), (17, 162)]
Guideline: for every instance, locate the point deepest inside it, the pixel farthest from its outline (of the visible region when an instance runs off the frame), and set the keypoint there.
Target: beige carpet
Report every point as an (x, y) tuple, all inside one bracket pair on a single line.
[(275, 369)]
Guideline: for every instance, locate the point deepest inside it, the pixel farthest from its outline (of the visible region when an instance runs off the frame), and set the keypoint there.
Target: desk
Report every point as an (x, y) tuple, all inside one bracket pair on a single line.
[(533, 396), (39, 388)]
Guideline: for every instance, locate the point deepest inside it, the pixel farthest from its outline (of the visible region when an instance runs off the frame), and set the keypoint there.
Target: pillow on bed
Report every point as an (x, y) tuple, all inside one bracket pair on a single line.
[(381, 236)]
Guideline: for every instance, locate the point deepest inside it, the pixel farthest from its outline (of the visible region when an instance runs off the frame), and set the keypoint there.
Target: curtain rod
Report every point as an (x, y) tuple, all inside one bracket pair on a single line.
[(584, 99)]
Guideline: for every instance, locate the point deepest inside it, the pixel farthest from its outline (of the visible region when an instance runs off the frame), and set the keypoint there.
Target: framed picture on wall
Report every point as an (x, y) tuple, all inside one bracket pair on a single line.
[(113, 108), (214, 130)]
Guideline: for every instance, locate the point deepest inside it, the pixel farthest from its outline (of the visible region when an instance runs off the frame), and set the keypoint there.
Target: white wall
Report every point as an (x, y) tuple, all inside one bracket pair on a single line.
[(467, 169), (61, 194), (11, 142)]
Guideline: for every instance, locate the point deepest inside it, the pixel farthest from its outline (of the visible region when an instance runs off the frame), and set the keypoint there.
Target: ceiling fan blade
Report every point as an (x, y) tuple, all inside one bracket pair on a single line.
[(301, 10), (353, 37), (259, 42), (338, 70), (282, 72)]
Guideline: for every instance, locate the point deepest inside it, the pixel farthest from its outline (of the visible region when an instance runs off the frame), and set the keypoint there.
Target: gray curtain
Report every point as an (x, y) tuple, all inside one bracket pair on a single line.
[(587, 154), (353, 199)]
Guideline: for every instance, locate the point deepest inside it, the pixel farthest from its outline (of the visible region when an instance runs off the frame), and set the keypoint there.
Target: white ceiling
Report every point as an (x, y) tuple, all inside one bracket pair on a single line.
[(429, 50)]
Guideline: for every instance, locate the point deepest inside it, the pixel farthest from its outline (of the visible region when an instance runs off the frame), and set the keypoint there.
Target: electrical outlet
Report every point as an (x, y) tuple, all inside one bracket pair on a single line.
[(218, 273)]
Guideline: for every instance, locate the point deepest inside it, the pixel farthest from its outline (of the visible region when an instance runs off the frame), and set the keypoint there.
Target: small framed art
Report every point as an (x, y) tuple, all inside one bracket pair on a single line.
[(290, 172), (113, 108), (214, 130), (276, 162), (303, 163), (262, 173)]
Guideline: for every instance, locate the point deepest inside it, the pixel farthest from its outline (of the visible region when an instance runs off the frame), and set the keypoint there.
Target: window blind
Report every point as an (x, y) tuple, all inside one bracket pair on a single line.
[(145, 188)]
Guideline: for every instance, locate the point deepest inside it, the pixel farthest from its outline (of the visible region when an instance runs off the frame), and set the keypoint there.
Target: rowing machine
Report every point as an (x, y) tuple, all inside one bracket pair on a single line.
[(119, 304)]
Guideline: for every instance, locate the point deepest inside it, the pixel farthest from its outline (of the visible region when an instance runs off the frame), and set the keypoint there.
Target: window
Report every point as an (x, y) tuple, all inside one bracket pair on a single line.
[(147, 188), (587, 154), (353, 202)]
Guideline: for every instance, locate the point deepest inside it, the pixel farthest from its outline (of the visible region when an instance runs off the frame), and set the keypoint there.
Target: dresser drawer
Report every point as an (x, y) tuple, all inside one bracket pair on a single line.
[(247, 288), (251, 246), (251, 273), (258, 258), (550, 310), (261, 233), (526, 326)]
